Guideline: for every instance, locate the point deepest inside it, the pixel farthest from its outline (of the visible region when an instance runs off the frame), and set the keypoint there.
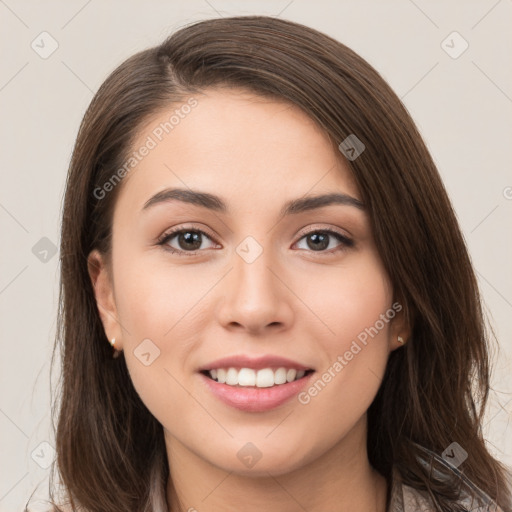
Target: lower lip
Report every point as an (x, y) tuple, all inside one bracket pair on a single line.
[(252, 399)]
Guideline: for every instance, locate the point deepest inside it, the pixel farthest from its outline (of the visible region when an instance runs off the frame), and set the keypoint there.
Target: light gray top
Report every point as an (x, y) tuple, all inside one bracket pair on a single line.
[(407, 499)]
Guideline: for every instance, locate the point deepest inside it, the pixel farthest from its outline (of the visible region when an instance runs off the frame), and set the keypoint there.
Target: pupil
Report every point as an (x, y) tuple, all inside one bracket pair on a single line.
[(319, 241), (190, 238)]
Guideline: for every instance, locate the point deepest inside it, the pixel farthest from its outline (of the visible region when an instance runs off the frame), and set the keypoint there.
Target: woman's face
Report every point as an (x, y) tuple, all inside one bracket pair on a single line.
[(248, 277)]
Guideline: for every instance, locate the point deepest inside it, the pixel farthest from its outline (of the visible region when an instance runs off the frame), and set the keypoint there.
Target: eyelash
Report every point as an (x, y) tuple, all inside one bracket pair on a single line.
[(345, 244)]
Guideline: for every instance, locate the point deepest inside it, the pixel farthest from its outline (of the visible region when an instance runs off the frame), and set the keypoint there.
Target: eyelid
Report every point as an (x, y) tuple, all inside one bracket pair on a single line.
[(183, 227), (315, 228)]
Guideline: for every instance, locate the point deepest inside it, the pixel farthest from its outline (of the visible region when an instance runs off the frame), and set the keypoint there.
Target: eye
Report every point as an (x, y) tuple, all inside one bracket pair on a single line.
[(319, 240), (188, 240)]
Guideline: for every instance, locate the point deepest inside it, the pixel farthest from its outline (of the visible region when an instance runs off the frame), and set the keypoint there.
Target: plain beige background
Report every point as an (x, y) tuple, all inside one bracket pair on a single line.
[(462, 105)]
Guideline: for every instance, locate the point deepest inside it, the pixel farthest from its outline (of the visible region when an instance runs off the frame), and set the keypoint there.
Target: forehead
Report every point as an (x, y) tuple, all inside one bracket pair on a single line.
[(239, 145)]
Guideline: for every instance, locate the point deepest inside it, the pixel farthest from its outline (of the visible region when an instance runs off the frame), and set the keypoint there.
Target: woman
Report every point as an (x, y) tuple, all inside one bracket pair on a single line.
[(254, 223)]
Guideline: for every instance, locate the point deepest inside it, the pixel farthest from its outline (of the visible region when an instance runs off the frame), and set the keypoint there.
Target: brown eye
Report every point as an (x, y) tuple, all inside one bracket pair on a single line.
[(189, 240), (184, 240), (320, 240)]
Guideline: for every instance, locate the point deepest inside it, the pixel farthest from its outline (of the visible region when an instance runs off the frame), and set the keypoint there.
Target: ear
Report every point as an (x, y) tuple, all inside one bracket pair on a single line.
[(102, 282), (400, 325)]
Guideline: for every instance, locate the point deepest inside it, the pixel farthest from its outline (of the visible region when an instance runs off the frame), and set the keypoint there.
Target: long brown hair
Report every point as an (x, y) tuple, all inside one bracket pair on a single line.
[(110, 449)]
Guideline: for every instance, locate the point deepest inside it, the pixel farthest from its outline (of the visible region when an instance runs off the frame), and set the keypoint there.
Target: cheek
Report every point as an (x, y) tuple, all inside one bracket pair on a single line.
[(156, 309), (354, 336), (363, 300), (160, 301), (162, 311), (349, 299)]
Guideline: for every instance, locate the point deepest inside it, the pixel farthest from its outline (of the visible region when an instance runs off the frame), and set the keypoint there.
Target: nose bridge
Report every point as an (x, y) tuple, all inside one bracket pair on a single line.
[(254, 298)]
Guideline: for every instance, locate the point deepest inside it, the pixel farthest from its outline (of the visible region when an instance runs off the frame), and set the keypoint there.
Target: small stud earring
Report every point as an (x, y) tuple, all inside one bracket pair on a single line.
[(400, 340), (116, 352)]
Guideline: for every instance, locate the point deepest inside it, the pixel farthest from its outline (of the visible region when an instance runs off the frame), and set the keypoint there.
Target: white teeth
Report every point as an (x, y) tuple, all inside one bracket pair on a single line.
[(232, 377), (291, 374), (247, 377), (221, 375), (264, 378), (280, 376)]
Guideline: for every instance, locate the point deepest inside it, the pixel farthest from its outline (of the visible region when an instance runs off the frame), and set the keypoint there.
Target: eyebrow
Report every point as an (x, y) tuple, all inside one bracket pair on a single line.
[(215, 203)]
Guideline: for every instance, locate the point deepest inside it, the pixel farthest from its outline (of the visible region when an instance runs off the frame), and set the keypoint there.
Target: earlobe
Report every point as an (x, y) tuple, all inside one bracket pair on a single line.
[(399, 340), (400, 331), (103, 291)]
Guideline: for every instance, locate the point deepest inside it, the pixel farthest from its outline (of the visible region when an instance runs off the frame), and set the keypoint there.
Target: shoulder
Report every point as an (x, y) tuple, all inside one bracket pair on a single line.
[(405, 498), (408, 499)]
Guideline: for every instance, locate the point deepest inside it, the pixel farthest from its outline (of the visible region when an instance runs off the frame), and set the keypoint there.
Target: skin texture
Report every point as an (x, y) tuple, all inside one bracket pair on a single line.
[(293, 301)]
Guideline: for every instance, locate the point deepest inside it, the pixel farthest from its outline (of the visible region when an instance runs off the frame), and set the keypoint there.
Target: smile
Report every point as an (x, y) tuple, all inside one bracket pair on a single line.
[(254, 398)]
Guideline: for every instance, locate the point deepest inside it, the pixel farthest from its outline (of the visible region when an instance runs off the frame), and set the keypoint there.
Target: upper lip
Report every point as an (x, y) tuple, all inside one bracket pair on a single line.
[(256, 363)]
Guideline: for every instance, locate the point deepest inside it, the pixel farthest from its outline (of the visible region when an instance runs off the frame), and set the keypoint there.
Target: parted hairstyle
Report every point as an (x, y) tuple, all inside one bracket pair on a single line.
[(110, 449)]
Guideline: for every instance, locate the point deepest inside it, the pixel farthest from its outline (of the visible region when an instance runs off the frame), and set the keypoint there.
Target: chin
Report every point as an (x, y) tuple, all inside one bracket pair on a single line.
[(262, 463)]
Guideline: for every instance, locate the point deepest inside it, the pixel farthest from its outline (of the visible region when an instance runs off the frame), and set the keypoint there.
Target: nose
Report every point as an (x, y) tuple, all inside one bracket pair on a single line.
[(255, 297)]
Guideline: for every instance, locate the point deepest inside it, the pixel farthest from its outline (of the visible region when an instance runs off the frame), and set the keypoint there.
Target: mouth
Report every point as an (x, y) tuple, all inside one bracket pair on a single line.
[(255, 391)]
